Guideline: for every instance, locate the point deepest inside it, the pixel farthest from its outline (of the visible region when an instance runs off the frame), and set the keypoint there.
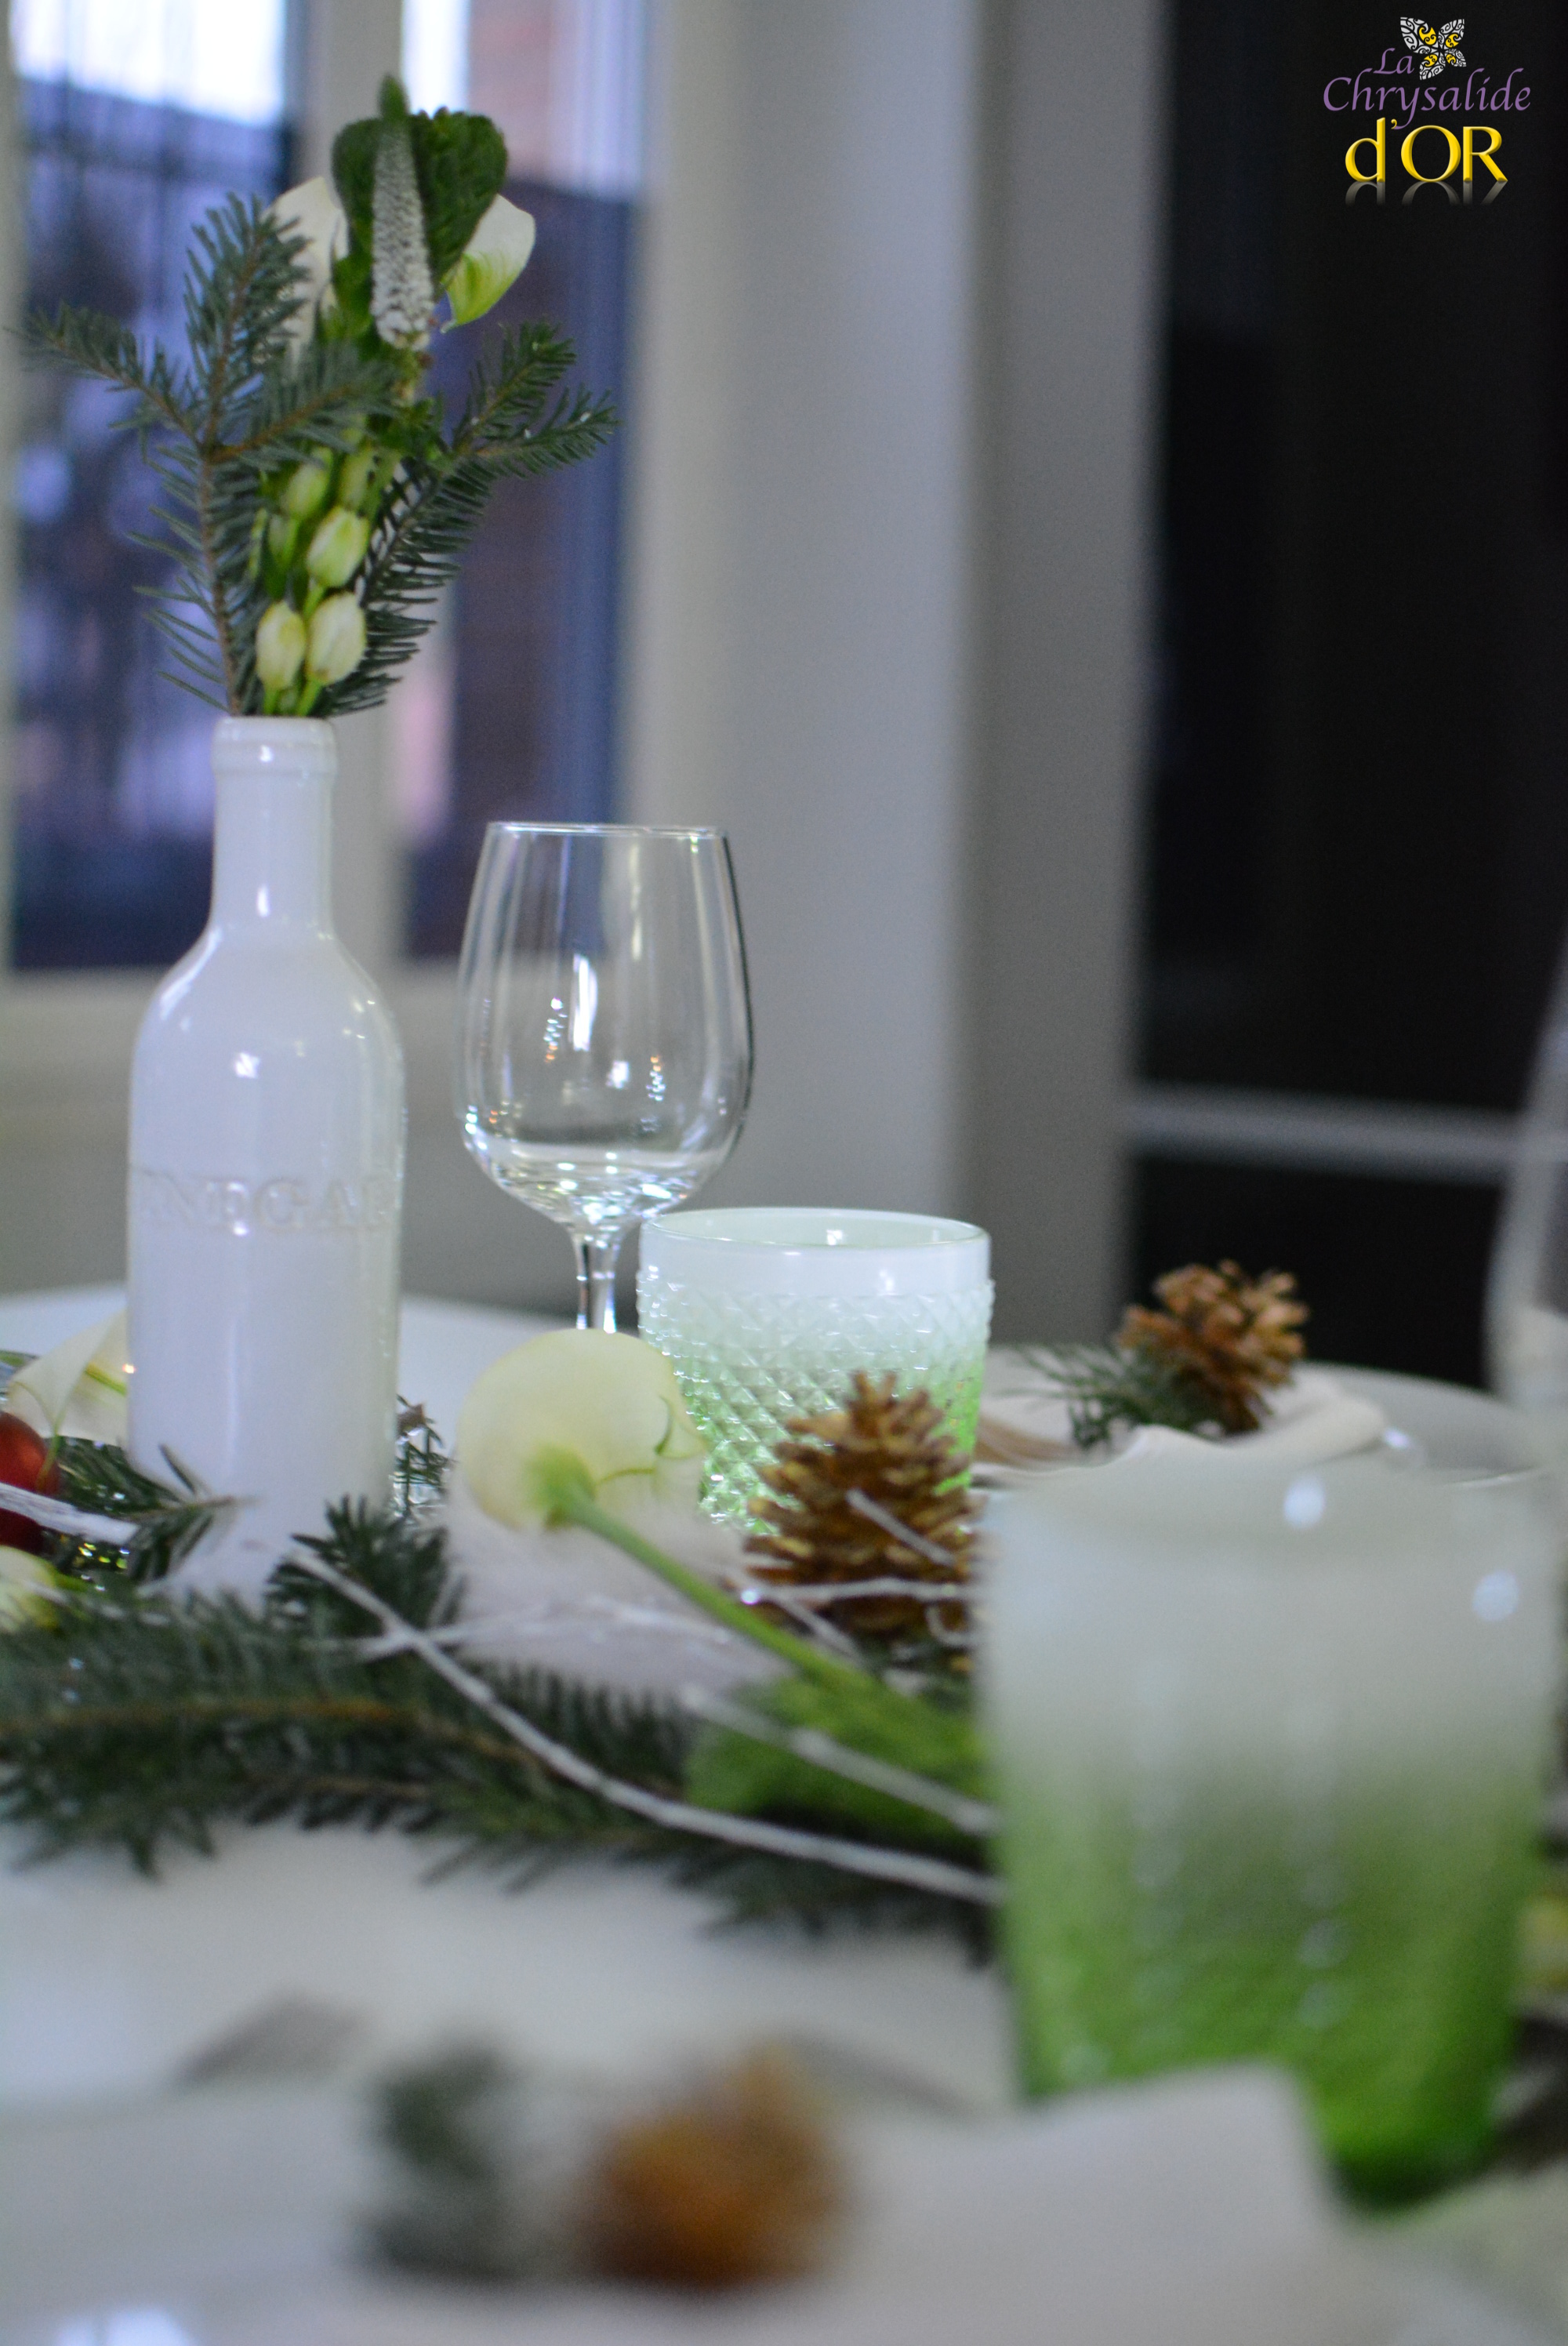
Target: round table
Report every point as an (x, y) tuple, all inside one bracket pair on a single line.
[(1187, 2209)]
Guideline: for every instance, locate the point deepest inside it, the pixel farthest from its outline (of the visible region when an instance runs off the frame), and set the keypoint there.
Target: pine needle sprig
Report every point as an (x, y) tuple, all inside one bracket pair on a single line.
[(505, 422), (91, 345), (241, 290), (431, 515), (163, 1522), (1109, 1388), (143, 1720), (422, 1467)]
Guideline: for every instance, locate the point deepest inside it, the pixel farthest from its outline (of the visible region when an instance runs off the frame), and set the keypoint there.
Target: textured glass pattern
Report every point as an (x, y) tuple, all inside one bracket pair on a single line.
[(746, 1364)]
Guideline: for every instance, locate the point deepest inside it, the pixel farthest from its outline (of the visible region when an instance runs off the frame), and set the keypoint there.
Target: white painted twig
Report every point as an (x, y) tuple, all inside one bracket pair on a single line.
[(820, 1632), (675, 1816), (850, 1592), (886, 1521), (59, 1515)]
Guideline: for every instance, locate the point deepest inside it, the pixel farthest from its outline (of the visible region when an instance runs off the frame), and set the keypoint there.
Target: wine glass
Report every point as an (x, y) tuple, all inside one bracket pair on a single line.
[(604, 1029)]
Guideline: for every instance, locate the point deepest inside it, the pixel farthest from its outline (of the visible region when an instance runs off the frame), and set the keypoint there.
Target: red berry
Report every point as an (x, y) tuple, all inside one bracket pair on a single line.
[(24, 1461)]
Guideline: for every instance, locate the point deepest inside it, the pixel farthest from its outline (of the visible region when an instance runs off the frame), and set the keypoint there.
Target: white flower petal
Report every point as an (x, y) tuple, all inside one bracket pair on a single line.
[(612, 1401), (313, 212), (79, 1387), (496, 256)]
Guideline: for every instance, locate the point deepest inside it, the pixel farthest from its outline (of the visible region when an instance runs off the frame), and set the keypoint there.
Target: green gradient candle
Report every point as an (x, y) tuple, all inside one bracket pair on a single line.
[(765, 1313), (1269, 1753)]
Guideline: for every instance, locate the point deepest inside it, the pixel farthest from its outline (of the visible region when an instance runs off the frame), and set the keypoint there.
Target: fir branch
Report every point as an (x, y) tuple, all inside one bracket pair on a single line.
[(142, 1721), (424, 1465), (321, 401), (504, 421), (91, 345)]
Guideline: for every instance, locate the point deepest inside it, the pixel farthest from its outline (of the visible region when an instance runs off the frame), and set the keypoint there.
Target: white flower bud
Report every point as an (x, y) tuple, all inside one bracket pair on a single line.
[(356, 477), (305, 491), (337, 642), (338, 547), (497, 251), (280, 647)]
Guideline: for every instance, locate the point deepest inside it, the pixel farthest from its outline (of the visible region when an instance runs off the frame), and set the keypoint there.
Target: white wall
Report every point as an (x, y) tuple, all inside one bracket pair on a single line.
[(799, 576), (1073, 200), (897, 455)]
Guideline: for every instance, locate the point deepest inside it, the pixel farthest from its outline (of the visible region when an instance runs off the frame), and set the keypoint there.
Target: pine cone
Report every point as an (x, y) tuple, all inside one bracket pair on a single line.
[(1233, 1336), (895, 1454)]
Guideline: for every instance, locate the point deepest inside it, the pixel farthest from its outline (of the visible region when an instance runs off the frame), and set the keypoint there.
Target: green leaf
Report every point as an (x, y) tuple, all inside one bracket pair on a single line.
[(354, 176), (459, 161)]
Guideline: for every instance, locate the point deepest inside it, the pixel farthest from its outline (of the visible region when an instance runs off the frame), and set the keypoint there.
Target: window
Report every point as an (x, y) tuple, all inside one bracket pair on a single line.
[(510, 714), (135, 119), (1359, 851)]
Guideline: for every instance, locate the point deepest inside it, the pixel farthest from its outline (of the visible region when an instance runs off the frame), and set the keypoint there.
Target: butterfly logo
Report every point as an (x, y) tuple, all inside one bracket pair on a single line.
[(1434, 49)]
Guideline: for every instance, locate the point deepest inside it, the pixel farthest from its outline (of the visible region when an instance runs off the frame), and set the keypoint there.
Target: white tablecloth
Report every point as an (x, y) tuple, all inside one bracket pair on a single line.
[(111, 1982)]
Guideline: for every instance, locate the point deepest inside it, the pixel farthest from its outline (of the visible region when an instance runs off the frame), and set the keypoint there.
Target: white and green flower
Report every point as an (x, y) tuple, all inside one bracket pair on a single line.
[(280, 647), (336, 546), (495, 257), (313, 212), (337, 640), (78, 1387), (307, 488), (609, 1405)]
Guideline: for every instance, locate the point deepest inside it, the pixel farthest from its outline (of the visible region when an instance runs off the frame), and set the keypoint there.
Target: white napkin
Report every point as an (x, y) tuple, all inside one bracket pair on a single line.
[(1028, 1424)]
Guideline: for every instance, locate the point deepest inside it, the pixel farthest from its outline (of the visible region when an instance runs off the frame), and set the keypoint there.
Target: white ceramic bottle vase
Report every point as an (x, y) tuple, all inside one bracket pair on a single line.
[(266, 1177)]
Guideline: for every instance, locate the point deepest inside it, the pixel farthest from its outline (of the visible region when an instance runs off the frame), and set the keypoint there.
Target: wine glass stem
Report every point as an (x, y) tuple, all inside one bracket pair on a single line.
[(597, 1281)]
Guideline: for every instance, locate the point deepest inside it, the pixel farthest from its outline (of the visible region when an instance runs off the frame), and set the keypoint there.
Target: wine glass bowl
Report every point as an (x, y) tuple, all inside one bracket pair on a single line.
[(604, 1045)]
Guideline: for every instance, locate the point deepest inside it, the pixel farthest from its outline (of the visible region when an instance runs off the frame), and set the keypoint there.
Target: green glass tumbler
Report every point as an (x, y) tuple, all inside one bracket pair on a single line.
[(766, 1311), (1269, 1752)]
